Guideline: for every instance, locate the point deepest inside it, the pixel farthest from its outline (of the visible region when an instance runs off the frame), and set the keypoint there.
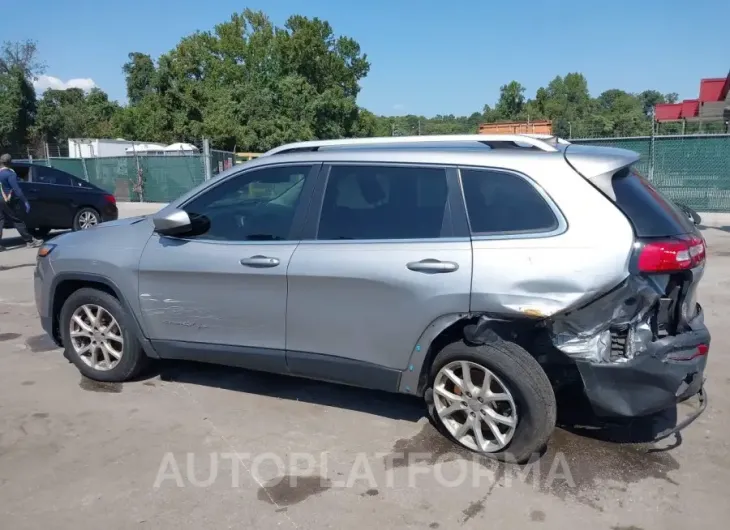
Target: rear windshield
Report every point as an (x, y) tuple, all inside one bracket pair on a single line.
[(651, 213)]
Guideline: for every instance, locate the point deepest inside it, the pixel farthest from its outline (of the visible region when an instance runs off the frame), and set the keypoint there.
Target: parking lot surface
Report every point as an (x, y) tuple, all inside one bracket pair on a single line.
[(194, 446)]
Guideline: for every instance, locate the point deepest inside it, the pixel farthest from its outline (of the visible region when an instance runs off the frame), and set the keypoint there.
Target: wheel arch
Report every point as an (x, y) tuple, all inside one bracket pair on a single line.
[(476, 328), (65, 284)]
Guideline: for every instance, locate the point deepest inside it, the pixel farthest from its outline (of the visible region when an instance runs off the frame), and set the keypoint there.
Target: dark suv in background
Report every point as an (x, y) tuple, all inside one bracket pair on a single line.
[(61, 201)]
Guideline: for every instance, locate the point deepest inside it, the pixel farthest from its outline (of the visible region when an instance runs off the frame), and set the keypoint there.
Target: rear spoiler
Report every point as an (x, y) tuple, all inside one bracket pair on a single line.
[(598, 165)]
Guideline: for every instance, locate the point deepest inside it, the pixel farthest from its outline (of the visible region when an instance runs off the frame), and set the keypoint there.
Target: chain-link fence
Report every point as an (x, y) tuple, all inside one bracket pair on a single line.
[(221, 160), (692, 169), (149, 176)]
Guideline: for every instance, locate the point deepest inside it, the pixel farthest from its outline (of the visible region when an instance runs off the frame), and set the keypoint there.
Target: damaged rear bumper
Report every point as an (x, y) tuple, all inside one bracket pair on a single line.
[(669, 371)]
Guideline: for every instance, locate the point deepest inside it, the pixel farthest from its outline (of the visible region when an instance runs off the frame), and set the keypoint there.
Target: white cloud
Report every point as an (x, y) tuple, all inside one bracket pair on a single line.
[(44, 82), (399, 106)]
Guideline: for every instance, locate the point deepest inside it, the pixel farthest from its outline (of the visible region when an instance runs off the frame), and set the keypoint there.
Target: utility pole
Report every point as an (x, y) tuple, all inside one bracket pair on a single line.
[(419, 126)]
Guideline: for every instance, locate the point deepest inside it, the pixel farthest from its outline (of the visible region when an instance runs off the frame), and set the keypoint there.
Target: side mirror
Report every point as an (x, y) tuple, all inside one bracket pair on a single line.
[(175, 222)]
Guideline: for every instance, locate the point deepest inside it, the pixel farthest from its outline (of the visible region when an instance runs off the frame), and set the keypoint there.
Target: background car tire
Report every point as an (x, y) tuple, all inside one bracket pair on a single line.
[(133, 359), (80, 216), (528, 384)]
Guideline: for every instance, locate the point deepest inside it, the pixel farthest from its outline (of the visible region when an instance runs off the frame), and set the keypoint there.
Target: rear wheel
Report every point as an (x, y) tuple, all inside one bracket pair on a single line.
[(86, 218), (98, 339), (494, 399)]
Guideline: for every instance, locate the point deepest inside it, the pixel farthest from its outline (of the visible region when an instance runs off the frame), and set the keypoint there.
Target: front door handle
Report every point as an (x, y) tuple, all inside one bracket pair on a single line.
[(260, 262), (433, 266)]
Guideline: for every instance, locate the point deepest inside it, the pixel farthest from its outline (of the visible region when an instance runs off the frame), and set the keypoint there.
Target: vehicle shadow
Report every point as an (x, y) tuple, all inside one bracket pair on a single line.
[(385, 404), (721, 228), (575, 414)]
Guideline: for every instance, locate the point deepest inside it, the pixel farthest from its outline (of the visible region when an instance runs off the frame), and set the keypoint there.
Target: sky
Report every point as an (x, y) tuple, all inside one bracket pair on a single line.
[(427, 57)]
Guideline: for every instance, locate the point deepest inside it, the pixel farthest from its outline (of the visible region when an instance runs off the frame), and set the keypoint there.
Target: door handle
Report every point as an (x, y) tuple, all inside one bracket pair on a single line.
[(433, 266), (260, 262)]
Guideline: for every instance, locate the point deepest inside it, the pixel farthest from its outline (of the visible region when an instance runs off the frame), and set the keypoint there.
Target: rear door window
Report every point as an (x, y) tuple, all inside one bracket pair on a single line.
[(651, 214), (47, 175), (385, 202), (499, 202)]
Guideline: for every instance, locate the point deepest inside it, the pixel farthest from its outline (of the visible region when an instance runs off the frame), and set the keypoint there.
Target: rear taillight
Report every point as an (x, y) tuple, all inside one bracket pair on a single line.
[(110, 199), (671, 256)]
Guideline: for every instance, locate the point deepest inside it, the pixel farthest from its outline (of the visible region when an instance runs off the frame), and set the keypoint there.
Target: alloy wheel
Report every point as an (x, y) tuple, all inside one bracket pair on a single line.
[(475, 406), (96, 337), (88, 219)]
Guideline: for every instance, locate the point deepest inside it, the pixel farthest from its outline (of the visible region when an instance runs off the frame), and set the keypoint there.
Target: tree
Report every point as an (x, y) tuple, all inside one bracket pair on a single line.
[(511, 101), (140, 76), (23, 56), (17, 109), (250, 85), (64, 114), (19, 65)]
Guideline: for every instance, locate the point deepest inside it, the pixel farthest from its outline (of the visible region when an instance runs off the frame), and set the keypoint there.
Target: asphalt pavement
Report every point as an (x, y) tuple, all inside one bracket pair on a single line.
[(195, 446)]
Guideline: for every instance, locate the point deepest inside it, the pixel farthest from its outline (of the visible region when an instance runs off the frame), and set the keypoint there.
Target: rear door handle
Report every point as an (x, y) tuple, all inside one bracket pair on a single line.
[(260, 262), (433, 266)]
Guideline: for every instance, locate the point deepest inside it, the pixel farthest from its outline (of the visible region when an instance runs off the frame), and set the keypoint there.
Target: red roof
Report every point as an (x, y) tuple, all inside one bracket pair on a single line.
[(667, 111), (712, 89), (690, 108)]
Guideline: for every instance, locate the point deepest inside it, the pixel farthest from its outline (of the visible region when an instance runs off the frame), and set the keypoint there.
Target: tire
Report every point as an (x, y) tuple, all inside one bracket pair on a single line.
[(132, 359), (524, 379), (80, 222), (41, 232)]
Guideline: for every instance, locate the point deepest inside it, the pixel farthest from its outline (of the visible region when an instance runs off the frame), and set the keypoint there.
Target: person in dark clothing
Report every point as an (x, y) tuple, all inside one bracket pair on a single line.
[(13, 204)]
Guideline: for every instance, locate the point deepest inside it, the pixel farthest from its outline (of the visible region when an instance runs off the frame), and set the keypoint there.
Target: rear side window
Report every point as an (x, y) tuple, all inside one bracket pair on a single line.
[(651, 214), (46, 175), (498, 202), (78, 183)]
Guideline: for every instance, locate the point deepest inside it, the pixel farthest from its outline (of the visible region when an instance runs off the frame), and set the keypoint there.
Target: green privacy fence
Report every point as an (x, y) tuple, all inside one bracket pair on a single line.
[(164, 177), (694, 170)]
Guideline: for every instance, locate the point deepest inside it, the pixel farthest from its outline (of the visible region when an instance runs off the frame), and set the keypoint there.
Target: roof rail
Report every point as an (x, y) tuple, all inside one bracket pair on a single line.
[(495, 141)]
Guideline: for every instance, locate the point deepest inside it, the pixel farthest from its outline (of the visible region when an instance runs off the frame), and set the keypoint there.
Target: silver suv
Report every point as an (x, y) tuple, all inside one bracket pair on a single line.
[(486, 274)]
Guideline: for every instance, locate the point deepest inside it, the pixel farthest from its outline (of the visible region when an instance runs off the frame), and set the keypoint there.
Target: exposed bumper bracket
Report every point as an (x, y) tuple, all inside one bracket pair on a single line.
[(702, 396)]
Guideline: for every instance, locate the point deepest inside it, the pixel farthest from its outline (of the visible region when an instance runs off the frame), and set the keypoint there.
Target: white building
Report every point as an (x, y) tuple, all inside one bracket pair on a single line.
[(96, 147), (145, 149), (181, 148), (107, 147)]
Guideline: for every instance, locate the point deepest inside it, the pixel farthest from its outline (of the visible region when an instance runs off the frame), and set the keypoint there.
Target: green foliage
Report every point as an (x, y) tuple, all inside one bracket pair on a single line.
[(21, 55), (17, 109), (248, 85), (71, 113), (565, 101), (140, 76)]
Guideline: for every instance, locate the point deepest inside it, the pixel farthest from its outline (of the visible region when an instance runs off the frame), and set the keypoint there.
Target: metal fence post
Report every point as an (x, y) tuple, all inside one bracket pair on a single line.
[(207, 160), (652, 150)]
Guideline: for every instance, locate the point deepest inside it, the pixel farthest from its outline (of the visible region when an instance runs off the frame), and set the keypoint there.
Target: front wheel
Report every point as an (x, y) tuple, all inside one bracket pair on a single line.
[(97, 337), (493, 399), (86, 218)]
